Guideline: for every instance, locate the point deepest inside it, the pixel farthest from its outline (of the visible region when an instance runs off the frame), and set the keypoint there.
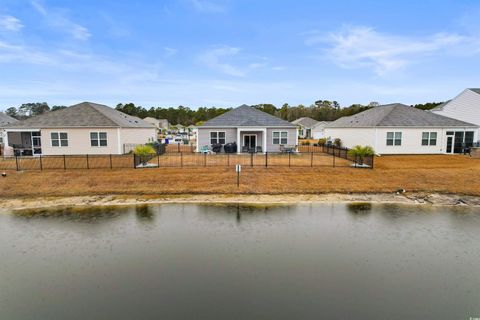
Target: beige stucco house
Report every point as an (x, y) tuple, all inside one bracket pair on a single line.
[(84, 128)]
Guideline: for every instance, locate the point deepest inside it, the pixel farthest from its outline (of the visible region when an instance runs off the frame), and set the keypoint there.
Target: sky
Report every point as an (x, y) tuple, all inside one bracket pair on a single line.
[(226, 53)]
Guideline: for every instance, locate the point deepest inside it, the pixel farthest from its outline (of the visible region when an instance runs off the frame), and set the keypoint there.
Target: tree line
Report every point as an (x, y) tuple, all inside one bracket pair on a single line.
[(321, 110)]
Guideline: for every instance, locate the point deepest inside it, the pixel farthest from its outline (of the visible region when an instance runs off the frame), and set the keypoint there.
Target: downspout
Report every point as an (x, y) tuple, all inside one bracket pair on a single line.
[(119, 140)]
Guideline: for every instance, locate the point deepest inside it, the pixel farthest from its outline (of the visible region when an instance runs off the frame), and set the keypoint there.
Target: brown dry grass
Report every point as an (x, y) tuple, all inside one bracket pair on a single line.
[(443, 174)]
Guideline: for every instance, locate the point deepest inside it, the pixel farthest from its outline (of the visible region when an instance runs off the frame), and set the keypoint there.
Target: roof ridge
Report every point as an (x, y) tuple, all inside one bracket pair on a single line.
[(96, 107)]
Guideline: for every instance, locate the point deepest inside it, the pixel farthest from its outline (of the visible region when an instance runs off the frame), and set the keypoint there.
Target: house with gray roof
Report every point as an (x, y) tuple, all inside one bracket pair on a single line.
[(465, 107), (400, 129), (5, 120), (84, 128), (309, 128), (250, 129)]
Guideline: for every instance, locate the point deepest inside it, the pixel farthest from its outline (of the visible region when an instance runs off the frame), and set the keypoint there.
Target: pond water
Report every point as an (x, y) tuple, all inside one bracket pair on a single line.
[(318, 261)]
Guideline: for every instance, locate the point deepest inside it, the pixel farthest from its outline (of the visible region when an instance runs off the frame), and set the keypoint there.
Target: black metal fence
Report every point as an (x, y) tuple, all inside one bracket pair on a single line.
[(309, 156)]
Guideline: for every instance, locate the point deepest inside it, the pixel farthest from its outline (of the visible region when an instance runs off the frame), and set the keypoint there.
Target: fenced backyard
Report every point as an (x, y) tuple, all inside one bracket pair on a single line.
[(308, 156)]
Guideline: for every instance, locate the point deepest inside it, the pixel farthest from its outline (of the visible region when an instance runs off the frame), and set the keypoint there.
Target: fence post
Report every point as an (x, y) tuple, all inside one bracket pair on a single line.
[(228, 159), (333, 153), (371, 167), (251, 159), (16, 162), (178, 147), (311, 160), (134, 161), (111, 165), (88, 164), (289, 155), (64, 162), (266, 159), (181, 159), (204, 159), (158, 160), (41, 164)]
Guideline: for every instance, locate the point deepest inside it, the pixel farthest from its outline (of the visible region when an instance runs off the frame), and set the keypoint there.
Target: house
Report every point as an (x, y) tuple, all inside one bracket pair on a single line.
[(400, 129), (309, 128), (85, 128), (161, 124), (250, 128), (4, 121), (464, 107)]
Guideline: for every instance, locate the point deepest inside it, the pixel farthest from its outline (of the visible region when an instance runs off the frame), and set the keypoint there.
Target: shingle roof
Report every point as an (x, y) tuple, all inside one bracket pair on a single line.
[(397, 115), (476, 90), (83, 115), (245, 116), (305, 122), (5, 119)]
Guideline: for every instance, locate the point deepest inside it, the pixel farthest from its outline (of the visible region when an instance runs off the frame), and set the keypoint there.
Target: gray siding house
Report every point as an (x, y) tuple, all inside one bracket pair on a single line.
[(250, 128)]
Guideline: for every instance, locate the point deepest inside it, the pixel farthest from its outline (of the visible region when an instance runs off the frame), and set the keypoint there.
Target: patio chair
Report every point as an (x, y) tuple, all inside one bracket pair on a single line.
[(282, 148), (245, 149), (259, 149), (205, 149)]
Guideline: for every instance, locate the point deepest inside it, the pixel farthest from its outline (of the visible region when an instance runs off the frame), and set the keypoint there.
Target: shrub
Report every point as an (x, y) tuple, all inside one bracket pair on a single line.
[(359, 152), (143, 150), (307, 143), (337, 142), (322, 141)]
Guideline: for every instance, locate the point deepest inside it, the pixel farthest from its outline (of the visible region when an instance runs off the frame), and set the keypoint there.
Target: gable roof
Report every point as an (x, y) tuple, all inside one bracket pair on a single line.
[(476, 90), (83, 115), (396, 115), (305, 122), (246, 116), (5, 119)]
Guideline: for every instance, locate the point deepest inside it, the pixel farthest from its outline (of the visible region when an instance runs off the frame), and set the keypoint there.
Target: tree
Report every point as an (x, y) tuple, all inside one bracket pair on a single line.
[(55, 108), (12, 112), (27, 110)]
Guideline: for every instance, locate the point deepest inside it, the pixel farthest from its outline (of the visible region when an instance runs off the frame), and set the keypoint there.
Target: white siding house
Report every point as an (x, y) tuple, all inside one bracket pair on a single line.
[(250, 129), (85, 128), (400, 129), (464, 107)]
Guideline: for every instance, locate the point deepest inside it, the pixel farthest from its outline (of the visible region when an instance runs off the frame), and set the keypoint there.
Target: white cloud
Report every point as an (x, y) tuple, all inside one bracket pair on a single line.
[(213, 59), (10, 23), (207, 6), (357, 47), (58, 19)]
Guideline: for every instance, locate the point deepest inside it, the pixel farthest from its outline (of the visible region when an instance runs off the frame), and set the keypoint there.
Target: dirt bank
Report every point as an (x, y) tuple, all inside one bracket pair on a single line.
[(112, 200)]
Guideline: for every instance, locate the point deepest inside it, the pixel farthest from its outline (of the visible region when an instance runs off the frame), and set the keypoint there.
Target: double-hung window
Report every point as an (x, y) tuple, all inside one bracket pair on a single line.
[(394, 138), (280, 137), (59, 139), (217, 137), (429, 138), (98, 139)]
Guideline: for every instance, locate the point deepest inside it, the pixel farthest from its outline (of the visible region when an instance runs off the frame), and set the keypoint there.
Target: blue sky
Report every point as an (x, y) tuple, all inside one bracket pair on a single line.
[(229, 52)]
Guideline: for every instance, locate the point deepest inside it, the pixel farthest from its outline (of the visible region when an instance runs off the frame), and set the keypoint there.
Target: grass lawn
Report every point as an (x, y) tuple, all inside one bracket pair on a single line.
[(433, 173)]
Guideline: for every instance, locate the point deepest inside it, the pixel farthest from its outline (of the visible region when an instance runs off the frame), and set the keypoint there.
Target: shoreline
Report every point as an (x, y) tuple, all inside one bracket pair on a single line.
[(420, 198)]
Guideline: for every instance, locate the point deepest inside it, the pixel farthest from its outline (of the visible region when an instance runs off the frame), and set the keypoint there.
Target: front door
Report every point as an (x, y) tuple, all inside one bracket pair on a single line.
[(250, 141)]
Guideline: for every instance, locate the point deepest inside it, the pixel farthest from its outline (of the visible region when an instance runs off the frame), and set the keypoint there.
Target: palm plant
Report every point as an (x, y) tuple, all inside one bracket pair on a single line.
[(360, 152)]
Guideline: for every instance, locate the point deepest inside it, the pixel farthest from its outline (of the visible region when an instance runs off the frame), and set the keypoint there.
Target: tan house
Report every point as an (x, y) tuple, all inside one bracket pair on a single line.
[(84, 128), (161, 124)]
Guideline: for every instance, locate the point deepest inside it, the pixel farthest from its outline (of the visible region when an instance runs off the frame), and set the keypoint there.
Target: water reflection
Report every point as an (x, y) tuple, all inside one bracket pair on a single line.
[(359, 208), (75, 214), (144, 213)]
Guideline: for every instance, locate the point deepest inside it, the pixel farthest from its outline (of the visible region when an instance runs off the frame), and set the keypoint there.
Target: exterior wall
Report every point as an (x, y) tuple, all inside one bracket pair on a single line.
[(377, 138), (203, 135), (464, 107), (79, 142), (291, 138), (352, 136), (231, 136), (137, 136)]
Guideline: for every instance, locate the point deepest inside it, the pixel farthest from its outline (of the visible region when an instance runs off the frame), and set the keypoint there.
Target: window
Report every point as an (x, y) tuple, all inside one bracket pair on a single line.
[(429, 138), (59, 139), (280, 137), (394, 138), (217, 137), (98, 139)]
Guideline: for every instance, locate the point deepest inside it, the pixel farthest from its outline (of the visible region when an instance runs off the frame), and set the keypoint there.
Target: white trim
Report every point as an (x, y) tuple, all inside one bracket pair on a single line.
[(218, 137), (119, 141), (98, 139), (280, 138), (393, 139), (59, 139), (250, 135)]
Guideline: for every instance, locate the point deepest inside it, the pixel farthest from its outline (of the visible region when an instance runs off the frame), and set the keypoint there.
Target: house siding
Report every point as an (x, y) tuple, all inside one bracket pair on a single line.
[(291, 138), (464, 107), (137, 136), (377, 137), (203, 135)]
